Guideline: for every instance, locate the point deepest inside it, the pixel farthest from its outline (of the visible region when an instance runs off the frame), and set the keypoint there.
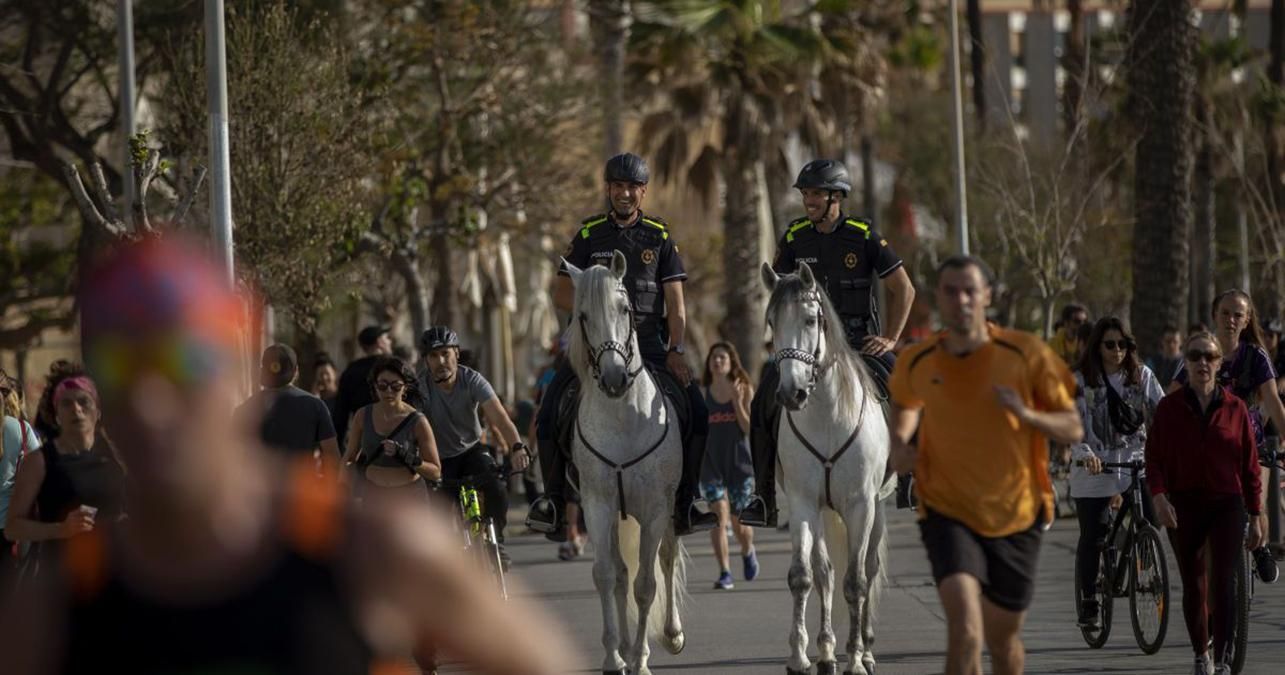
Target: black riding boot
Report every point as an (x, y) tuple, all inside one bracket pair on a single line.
[(546, 514), (687, 519), (764, 413)]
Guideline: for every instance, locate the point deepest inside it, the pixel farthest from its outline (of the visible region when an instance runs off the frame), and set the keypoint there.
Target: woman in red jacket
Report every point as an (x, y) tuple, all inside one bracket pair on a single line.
[(1202, 468)]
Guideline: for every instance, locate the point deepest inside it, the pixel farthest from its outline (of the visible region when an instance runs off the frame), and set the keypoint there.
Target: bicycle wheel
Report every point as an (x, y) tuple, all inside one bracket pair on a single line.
[(493, 555), (1095, 638), (1148, 590), (1242, 584)]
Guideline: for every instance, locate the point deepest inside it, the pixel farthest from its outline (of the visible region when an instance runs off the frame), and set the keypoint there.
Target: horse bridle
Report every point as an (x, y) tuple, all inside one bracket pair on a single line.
[(813, 358), (626, 351)]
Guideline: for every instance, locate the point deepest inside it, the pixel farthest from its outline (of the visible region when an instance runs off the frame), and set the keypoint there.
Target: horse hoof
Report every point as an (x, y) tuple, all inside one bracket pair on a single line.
[(675, 644), (791, 671), (827, 668)]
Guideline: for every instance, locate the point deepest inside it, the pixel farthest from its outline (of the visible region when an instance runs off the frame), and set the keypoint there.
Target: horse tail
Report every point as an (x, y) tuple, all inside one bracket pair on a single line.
[(629, 541)]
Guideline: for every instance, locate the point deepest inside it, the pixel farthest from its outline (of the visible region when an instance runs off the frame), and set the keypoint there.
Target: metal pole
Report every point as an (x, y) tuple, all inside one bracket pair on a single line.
[(961, 179), (220, 171), (125, 45)]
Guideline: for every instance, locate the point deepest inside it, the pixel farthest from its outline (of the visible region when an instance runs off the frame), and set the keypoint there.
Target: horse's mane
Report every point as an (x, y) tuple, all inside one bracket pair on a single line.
[(854, 381), (594, 291)]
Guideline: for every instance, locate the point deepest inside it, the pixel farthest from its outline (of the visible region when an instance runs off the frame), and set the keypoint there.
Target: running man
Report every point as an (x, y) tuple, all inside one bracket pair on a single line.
[(983, 399)]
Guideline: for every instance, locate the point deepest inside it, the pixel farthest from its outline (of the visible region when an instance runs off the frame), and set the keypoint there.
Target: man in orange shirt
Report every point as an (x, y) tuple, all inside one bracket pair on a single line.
[(984, 400)]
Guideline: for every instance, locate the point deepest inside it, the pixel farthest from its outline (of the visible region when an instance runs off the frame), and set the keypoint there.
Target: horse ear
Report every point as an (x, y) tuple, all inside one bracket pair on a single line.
[(769, 277), (618, 264), (805, 274), (573, 271)]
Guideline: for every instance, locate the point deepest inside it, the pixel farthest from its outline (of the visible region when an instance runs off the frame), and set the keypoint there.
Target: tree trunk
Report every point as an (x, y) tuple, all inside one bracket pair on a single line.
[(1204, 227), (742, 256), (979, 62), (416, 290), (1161, 81), (1073, 61), (445, 311), (869, 198), (609, 23)]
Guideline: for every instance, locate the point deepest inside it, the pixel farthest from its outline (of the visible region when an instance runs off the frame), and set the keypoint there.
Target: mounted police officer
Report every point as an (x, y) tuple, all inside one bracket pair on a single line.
[(654, 281), (846, 255)]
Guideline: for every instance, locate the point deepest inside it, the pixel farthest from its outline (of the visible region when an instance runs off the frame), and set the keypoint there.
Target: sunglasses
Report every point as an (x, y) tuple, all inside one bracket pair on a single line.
[(1198, 355), (390, 386), (1122, 345)]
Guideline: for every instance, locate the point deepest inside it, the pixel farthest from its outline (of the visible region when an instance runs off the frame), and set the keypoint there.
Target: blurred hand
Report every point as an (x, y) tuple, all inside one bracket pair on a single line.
[(877, 345), (1092, 464), (1257, 531), (519, 459), (903, 457), (677, 366), (1012, 401), (76, 522)]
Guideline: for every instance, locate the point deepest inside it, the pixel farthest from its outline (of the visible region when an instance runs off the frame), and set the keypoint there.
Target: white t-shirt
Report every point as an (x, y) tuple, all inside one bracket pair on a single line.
[(1102, 440)]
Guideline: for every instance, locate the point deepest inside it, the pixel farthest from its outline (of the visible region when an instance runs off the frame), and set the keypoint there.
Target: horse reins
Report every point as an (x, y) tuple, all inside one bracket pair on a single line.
[(620, 468)]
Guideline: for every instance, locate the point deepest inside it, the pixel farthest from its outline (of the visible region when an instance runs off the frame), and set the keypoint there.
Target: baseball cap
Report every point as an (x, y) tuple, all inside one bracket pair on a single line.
[(370, 335), (280, 364)]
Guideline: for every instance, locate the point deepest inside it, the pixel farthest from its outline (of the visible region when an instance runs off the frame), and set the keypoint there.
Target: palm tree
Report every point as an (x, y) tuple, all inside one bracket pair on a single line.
[(1162, 82), (739, 68), (609, 22)]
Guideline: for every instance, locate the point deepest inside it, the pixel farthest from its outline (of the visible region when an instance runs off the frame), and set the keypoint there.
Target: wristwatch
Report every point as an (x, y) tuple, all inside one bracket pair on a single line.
[(677, 349)]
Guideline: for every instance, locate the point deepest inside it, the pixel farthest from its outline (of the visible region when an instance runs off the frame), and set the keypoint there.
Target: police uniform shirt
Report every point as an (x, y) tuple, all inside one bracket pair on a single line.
[(845, 261), (651, 256)]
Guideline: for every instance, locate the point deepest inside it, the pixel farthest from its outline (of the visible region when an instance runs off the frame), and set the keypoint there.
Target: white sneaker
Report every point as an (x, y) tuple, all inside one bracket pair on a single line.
[(1204, 665)]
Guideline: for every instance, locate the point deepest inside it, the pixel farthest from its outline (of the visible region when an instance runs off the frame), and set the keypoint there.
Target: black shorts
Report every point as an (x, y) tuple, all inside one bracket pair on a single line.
[(1005, 566)]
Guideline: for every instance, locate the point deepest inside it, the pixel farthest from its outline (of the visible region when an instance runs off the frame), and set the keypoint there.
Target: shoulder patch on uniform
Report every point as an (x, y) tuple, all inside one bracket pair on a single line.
[(658, 224), (589, 223), (861, 225), (795, 226)]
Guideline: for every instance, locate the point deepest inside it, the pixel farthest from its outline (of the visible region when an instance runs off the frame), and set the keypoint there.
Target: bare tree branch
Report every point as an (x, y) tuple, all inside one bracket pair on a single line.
[(185, 205), (103, 193)]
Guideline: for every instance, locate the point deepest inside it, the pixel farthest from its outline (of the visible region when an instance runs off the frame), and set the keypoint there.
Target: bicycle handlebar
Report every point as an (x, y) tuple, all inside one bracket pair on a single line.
[(1135, 466), (467, 481)]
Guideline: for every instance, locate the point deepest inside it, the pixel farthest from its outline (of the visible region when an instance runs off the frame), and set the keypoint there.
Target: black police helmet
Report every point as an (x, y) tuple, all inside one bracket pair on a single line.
[(824, 174), (626, 168), (436, 338)]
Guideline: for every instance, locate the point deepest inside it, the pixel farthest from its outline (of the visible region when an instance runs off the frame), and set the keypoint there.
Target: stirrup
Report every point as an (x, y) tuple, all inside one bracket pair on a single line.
[(539, 525), (756, 514)]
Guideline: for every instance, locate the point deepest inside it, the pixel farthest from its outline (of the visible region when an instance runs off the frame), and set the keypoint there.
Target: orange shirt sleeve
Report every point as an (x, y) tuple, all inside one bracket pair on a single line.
[(899, 385), (1053, 384)]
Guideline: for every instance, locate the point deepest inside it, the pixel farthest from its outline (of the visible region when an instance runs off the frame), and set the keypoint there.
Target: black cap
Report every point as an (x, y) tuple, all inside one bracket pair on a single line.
[(824, 174), (370, 335), (626, 168), (280, 364)]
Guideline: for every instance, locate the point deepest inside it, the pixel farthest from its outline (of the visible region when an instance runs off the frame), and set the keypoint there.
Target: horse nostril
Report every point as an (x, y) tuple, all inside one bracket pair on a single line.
[(801, 395)]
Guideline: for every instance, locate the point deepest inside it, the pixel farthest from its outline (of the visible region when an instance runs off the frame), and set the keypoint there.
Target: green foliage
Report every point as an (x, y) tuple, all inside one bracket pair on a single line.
[(300, 146)]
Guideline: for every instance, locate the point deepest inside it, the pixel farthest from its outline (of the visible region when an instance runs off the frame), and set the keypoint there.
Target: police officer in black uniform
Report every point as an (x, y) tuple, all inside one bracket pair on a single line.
[(846, 255), (654, 281)]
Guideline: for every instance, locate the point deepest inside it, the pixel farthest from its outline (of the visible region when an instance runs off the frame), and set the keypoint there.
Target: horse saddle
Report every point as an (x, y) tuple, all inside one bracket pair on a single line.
[(565, 423)]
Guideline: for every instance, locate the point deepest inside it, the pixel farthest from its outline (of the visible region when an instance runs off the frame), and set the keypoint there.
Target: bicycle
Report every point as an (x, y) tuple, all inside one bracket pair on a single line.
[(474, 526), (1132, 563), (1243, 586)]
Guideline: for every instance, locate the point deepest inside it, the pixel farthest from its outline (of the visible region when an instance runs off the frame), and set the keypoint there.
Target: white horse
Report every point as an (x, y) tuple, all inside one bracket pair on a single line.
[(628, 449), (833, 453)]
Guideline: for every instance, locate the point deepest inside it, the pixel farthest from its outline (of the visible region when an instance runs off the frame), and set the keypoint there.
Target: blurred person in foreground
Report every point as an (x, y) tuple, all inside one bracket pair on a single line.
[(233, 560)]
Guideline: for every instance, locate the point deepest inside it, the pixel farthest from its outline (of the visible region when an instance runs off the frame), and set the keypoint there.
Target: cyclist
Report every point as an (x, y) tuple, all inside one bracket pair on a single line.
[(1116, 398), (1202, 468), (1247, 372), (846, 255), (231, 560), (654, 281), (452, 397), (983, 400)]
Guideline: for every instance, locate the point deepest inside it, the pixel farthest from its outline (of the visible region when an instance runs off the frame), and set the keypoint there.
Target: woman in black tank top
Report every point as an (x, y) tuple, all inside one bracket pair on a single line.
[(74, 481)]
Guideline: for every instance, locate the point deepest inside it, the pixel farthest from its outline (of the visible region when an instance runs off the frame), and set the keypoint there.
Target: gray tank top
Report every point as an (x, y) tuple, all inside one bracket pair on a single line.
[(371, 452)]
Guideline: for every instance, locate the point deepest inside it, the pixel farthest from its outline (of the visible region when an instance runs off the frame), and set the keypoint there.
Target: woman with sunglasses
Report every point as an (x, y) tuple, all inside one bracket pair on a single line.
[(1116, 398), (1202, 468), (390, 441), (1246, 371), (75, 480)]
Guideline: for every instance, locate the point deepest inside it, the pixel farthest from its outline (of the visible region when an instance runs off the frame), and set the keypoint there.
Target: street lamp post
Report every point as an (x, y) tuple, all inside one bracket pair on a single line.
[(220, 170), (125, 45), (961, 180)]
